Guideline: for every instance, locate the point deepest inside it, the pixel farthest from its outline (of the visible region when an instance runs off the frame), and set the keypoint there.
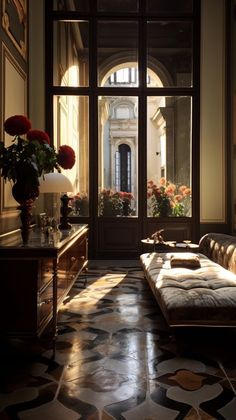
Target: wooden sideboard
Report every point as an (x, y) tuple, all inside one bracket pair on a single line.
[(35, 279)]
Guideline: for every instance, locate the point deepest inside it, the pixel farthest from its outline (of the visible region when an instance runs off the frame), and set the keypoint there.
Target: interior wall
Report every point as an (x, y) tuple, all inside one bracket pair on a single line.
[(13, 91), (212, 114), (36, 77), (233, 72), (36, 64)]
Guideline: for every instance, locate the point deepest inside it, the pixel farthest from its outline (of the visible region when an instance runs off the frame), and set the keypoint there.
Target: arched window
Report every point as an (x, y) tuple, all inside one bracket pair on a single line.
[(123, 168)]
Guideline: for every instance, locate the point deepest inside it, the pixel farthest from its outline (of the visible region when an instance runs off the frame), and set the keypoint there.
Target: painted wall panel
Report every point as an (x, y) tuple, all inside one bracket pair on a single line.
[(14, 80)]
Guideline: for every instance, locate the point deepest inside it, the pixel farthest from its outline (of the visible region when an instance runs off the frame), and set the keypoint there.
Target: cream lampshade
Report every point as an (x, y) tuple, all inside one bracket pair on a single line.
[(55, 182)]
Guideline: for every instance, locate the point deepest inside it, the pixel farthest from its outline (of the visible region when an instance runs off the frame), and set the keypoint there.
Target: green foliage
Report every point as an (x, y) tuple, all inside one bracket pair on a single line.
[(26, 160)]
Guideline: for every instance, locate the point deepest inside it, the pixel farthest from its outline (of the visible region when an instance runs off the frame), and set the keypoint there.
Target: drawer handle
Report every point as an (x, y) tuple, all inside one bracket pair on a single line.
[(45, 301), (73, 259)]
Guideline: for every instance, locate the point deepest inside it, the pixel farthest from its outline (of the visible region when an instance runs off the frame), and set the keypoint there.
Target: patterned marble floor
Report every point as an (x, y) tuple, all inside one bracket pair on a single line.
[(117, 359)]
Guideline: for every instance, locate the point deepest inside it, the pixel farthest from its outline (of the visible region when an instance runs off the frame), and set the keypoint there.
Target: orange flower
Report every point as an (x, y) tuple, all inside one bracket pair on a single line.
[(170, 189), (182, 188), (178, 198), (162, 181), (187, 191)]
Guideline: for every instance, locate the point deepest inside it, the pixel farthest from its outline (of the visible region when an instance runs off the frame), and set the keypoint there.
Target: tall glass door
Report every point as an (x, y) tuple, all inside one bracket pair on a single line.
[(123, 91)]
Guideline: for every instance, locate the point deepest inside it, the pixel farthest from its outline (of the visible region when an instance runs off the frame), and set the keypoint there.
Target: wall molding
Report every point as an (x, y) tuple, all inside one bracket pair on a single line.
[(14, 98), (14, 22)]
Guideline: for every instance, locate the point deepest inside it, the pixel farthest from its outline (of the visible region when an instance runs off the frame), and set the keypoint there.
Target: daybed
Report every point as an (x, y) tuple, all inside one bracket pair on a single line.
[(203, 295)]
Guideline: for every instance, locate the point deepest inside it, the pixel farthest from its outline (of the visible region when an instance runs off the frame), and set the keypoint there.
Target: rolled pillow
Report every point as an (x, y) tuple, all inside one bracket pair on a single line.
[(192, 261)]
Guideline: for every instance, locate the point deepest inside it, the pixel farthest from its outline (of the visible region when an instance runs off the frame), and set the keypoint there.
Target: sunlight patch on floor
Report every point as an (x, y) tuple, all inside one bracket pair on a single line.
[(102, 286)]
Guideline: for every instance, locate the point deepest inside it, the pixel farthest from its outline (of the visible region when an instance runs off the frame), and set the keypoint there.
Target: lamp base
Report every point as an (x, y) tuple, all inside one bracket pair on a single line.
[(65, 210), (65, 225)]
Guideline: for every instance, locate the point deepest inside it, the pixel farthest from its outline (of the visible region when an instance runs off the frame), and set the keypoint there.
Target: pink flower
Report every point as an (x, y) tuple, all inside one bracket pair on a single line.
[(17, 125), (150, 183), (126, 196)]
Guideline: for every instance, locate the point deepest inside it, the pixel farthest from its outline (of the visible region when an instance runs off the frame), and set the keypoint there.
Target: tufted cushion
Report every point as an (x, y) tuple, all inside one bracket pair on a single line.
[(204, 296), (220, 248)]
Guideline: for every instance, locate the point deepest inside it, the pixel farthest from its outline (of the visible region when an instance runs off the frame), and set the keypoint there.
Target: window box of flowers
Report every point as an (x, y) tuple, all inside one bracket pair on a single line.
[(166, 199), (116, 203), (80, 204)]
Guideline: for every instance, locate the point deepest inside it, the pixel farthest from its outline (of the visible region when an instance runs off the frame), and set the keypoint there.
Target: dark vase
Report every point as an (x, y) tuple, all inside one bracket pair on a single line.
[(25, 195), (164, 208), (82, 207), (126, 208), (110, 209)]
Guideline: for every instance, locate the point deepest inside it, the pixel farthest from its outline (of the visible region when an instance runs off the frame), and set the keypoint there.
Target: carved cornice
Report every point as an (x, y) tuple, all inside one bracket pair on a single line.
[(20, 26)]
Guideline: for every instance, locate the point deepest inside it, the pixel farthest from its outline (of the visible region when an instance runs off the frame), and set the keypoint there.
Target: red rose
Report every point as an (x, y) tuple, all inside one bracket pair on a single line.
[(17, 125), (66, 157), (39, 135)]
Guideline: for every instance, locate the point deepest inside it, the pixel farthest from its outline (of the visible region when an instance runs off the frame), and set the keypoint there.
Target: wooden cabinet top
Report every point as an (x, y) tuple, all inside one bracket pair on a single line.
[(39, 244)]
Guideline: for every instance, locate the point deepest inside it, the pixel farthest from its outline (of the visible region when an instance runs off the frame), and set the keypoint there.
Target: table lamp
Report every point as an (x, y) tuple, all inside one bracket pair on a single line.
[(57, 183)]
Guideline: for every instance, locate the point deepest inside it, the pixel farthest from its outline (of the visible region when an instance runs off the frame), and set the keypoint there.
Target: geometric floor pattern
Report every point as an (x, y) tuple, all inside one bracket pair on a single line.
[(117, 359)]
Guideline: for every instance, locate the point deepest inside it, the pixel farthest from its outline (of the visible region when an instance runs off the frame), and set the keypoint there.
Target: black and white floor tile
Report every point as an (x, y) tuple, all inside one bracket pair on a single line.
[(117, 359)]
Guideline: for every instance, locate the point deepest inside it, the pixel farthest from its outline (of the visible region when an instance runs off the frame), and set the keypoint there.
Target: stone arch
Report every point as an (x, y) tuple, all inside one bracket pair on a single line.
[(121, 60)]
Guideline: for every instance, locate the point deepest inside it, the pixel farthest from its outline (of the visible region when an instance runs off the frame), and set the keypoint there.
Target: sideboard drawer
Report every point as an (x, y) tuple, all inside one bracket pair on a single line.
[(46, 272), (77, 256), (71, 262), (45, 305)]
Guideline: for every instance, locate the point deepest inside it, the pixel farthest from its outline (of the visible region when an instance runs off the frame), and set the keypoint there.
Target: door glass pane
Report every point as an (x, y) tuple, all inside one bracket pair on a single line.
[(120, 51), (118, 156), (169, 146), (117, 6), (78, 5), (71, 128), (169, 53), (70, 58), (170, 6)]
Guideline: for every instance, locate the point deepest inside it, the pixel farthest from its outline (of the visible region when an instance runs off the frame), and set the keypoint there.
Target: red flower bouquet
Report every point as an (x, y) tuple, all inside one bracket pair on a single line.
[(26, 159)]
